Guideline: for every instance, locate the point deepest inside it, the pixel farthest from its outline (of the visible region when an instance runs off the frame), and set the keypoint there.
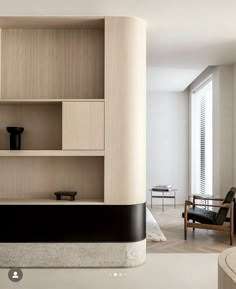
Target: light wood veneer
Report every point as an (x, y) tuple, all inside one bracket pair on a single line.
[(52, 63), (42, 125), (125, 106), (39, 177), (83, 125), (75, 85), (46, 100), (56, 22), (51, 153), (51, 202)]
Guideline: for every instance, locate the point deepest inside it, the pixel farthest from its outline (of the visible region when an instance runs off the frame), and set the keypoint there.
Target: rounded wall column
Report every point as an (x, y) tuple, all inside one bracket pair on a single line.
[(125, 110)]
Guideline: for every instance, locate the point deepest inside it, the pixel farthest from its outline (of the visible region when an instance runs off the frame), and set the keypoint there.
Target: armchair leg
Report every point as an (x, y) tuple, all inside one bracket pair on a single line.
[(185, 232), (231, 238), (193, 228), (185, 221), (231, 225)]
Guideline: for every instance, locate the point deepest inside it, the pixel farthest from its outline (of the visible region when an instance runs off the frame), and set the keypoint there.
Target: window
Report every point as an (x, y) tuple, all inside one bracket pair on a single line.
[(201, 139)]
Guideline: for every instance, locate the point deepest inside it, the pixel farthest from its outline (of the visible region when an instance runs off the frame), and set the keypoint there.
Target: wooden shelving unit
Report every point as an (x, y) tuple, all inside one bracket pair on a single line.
[(77, 86), (44, 63), (39, 176), (52, 84), (52, 100), (51, 202), (51, 153)]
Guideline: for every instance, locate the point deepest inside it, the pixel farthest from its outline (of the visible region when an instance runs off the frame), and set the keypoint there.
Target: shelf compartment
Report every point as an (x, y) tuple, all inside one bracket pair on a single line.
[(39, 177), (42, 101), (47, 63), (51, 202), (51, 153), (26, 22), (42, 125)]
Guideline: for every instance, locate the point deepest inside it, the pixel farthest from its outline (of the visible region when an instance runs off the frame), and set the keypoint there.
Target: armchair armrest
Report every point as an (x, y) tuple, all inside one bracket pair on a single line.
[(207, 198), (188, 203), (228, 205)]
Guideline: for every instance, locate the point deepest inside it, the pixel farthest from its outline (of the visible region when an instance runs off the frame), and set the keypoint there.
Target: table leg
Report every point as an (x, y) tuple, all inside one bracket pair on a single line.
[(151, 198), (175, 200), (162, 202)]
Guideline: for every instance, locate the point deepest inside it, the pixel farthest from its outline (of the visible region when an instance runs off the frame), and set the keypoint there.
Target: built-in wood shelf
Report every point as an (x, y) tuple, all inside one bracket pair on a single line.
[(45, 63), (38, 177), (52, 22), (51, 153), (50, 202), (51, 100)]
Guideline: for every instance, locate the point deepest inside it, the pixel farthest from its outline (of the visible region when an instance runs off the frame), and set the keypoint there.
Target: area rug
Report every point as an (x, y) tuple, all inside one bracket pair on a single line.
[(153, 231)]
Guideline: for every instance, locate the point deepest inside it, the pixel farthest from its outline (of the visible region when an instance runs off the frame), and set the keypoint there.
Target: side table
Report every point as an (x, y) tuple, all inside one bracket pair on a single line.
[(171, 195)]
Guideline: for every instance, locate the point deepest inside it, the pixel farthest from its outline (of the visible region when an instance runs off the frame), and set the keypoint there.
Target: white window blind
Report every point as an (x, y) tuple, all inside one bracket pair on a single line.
[(201, 139)]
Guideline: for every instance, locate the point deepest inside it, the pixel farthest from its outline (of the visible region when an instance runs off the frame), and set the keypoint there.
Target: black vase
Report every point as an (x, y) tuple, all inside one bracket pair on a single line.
[(15, 137)]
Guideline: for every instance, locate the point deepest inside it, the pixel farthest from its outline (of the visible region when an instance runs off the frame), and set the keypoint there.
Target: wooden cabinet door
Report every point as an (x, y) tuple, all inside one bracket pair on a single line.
[(83, 125)]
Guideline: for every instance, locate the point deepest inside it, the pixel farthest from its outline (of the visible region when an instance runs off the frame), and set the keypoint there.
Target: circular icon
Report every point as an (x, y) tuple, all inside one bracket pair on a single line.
[(15, 274)]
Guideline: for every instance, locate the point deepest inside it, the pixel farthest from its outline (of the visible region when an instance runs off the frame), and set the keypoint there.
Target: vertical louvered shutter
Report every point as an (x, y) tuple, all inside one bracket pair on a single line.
[(201, 139)]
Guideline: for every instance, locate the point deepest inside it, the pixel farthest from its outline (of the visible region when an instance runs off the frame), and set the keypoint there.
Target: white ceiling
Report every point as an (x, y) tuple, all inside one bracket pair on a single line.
[(183, 36)]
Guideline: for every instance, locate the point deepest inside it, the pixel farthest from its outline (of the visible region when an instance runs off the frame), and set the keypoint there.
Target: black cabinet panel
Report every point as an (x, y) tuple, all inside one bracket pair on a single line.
[(72, 223)]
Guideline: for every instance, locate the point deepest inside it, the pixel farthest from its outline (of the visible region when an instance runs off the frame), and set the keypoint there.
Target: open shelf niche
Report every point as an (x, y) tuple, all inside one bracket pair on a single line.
[(52, 60), (42, 125), (33, 178), (68, 126)]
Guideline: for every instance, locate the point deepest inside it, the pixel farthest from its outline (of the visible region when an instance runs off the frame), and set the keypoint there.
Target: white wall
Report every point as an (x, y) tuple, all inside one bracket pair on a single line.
[(225, 74), (234, 125), (167, 142), (168, 133)]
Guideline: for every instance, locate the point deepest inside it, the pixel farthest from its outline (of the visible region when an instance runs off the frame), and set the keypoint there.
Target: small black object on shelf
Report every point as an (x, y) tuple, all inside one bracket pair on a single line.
[(15, 137), (69, 194)]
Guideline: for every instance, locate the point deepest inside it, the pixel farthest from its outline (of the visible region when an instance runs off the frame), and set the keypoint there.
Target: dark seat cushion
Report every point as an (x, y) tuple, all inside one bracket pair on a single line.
[(201, 215), (222, 213)]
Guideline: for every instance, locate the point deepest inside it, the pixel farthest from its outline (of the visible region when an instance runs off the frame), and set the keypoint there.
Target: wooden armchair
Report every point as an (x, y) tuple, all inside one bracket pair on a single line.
[(210, 220)]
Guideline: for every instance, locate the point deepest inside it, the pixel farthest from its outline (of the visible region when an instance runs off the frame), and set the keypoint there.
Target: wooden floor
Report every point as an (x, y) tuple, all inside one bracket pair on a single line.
[(200, 241)]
